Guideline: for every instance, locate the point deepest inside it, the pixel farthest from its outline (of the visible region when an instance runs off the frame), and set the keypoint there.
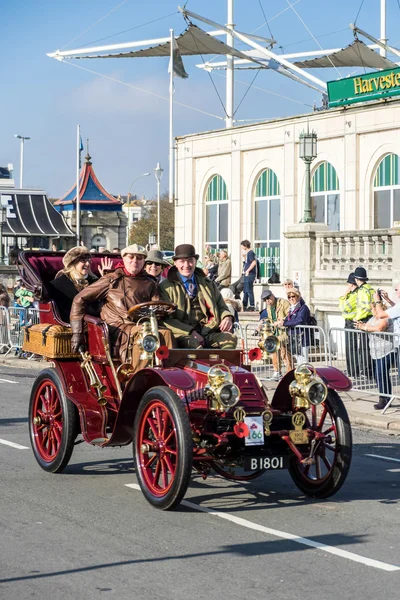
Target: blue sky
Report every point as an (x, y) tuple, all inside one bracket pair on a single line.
[(128, 130)]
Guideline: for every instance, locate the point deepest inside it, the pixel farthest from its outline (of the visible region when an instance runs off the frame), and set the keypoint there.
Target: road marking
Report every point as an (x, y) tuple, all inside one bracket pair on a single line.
[(8, 381), (384, 457), (13, 445), (370, 562)]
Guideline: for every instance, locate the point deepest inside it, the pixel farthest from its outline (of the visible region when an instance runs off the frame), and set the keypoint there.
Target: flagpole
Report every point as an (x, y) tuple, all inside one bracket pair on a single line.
[(78, 199), (171, 120)]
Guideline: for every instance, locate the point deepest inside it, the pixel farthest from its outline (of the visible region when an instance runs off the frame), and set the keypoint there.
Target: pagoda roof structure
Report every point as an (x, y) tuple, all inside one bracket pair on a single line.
[(93, 196)]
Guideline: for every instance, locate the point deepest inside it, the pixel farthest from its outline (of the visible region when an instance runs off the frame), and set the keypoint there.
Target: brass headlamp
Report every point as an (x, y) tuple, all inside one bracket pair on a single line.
[(148, 340), (221, 391), (307, 388), (269, 342)]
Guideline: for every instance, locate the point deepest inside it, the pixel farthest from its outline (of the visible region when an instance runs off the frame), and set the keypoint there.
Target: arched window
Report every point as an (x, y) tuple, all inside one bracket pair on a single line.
[(387, 192), (267, 222), (325, 196), (217, 213)]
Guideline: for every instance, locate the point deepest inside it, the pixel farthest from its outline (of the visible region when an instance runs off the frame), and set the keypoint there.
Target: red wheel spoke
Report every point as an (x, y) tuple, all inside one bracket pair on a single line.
[(158, 420), (157, 472), (150, 461), (329, 430), (314, 417), (164, 473), (152, 425), (322, 418), (171, 433), (318, 467), (57, 436), (327, 463), (44, 400), (169, 464), (164, 430), (171, 451), (330, 447)]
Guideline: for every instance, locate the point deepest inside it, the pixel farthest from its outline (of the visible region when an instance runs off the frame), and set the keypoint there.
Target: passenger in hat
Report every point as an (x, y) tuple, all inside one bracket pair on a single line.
[(202, 318), (348, 308), (298, 315), (155, 264), (127, 286), (365, 296), (276, 310), (74, 277)]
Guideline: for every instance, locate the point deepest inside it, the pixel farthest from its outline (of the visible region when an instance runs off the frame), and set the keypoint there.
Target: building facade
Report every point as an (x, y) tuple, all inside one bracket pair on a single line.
[(249, 183)]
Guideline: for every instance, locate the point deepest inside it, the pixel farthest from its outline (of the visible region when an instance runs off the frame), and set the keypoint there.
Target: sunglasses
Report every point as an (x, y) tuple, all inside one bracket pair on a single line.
[(84, 260), (290, 297), (153, 263)]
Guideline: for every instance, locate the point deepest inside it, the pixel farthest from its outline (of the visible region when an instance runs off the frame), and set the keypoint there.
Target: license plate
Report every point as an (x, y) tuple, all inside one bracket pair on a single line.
[(267, 463)]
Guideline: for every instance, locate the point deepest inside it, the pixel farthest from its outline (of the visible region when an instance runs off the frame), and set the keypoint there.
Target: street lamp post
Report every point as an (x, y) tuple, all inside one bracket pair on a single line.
[(158, 172), (3, 218), (129, 204), (21, 174), (307, 153)]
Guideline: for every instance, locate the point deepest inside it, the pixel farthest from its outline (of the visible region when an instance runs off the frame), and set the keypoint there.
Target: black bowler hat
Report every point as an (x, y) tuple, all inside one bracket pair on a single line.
[(185, 251), (361, 273), (351, 279)]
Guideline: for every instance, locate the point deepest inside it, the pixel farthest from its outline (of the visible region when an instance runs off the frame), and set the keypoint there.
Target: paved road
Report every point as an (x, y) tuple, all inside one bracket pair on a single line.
[(86, 534)]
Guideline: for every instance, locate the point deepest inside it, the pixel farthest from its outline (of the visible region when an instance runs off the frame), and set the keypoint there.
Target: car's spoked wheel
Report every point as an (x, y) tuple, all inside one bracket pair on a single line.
[(234, 473), (162, 447), (325, 474), (53, 422)]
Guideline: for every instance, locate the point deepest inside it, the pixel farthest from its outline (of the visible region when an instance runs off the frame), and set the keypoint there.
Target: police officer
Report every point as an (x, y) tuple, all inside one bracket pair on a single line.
[(348, 307), (365, 295)]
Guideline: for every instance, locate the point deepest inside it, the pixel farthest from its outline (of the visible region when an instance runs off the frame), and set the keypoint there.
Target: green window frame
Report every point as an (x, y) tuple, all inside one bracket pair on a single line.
[(267, 222), (217, 214), (386, 191), (325, 196)]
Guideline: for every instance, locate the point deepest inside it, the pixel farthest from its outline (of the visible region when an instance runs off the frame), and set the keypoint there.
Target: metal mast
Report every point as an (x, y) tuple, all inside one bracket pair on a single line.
[(383, 38), (230, 70)]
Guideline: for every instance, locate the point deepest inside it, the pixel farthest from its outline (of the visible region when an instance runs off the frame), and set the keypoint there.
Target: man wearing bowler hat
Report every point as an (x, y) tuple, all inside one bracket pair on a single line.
[(365, 296), (202, 317)]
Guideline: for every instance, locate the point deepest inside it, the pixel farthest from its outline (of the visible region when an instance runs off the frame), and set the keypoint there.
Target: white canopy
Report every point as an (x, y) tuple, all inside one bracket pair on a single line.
[(356, 54), (193, 41)]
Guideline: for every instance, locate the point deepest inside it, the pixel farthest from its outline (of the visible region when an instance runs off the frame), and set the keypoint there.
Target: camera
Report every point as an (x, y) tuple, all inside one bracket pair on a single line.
[(379, 291)]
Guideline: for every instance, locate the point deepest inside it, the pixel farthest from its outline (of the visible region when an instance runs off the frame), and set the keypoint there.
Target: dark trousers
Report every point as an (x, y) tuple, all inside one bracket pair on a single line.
[(248, 294), (351, 347), (364, 353), (382, 373), (237, 287)]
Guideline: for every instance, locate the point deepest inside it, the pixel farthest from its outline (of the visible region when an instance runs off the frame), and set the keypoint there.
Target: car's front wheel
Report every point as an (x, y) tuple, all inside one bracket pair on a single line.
[(162, 447), (325, 474)]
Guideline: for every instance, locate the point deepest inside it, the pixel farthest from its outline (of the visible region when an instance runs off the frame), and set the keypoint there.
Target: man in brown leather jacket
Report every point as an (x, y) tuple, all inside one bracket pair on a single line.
[(117, 292)]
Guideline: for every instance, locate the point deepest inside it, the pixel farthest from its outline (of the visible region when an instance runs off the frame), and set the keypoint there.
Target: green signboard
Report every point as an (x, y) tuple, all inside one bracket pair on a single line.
[(371, 86)]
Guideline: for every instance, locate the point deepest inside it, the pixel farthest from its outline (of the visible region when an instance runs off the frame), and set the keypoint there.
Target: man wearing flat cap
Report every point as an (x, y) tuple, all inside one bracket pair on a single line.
[(277, 309), (117, 292), (202, 317)]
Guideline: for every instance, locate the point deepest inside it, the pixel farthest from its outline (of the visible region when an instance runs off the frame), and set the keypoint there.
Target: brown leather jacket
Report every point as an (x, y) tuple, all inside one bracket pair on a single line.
[(117, 293)]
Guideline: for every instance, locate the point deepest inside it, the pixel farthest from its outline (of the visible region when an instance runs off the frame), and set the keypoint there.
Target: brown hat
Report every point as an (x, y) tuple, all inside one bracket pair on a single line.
[(294, 291), (156, 256), (185, 251), (134, 249), (74, 255)]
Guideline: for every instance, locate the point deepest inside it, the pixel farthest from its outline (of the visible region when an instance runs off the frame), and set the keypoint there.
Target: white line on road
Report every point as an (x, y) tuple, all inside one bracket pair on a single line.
[(13, 445), (370, 562), (384, 457), (8, 381)]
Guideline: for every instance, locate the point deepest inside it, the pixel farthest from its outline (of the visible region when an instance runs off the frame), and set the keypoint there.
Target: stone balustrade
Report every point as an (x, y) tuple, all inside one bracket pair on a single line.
[(346, 250)]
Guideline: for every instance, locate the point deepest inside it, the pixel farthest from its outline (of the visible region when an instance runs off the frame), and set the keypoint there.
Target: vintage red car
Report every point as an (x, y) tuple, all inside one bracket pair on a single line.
[(193, 411)]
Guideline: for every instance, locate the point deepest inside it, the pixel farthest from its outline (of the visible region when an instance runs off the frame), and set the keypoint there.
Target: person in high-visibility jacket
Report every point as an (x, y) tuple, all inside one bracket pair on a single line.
[(348, 307), (365, 295)]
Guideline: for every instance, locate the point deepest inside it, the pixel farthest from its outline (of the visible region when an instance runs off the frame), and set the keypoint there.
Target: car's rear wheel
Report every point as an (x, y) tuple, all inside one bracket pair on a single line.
[(332, 458), (162, 447), (53, 422)]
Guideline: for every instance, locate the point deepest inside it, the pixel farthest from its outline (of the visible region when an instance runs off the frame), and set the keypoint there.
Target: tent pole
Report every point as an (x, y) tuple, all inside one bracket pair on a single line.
[(230, 73), (171, 121), (78, 199), (383, 38)]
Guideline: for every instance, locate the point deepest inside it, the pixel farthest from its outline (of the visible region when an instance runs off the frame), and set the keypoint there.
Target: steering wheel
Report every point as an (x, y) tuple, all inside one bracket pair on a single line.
[(145, 309)]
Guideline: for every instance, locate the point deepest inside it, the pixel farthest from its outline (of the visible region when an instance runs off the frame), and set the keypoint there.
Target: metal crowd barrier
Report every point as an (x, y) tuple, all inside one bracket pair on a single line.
[(304, 343), (370, 360), (4, 329), (18, 318)]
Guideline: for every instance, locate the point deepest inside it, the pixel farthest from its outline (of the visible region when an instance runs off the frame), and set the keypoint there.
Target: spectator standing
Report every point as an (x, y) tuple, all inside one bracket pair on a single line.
[(276, 310), (390, 312), (249, 273), (382, 353), (348, 308), (365, 296), (223, 278), (299, 314), (234, 306)]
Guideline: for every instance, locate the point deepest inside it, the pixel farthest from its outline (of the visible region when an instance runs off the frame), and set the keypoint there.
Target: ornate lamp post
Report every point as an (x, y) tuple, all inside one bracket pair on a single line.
[(3, 218), (307, 153), (158, 172)]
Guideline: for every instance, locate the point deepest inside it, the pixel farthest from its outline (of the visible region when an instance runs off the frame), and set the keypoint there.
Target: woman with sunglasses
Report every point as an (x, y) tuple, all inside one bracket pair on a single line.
[(155, 265), (299, 314), (74, 277)]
